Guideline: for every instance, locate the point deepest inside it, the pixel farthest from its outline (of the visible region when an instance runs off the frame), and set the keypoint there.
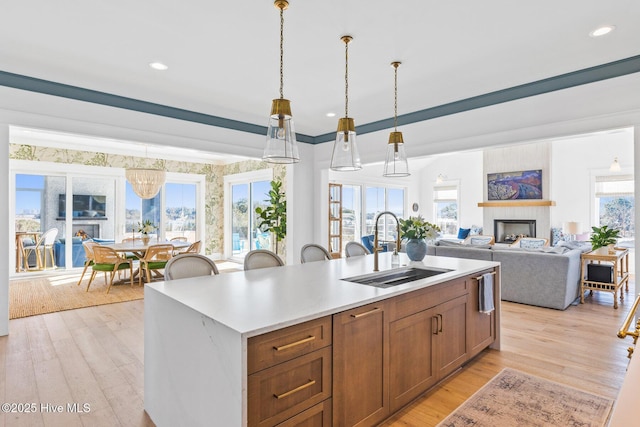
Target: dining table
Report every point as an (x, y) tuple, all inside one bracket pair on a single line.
[(138, 248)]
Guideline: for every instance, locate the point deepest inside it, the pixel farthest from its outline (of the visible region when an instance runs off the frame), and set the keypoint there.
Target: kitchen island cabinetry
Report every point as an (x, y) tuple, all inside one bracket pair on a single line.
[(264, 348), (360, 374)]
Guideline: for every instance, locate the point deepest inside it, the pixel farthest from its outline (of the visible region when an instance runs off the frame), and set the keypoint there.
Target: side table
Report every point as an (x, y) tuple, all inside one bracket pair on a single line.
[(619, 260)]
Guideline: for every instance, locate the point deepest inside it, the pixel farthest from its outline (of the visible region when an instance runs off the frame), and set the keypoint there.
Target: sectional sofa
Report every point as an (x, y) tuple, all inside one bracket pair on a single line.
[(545, 277)]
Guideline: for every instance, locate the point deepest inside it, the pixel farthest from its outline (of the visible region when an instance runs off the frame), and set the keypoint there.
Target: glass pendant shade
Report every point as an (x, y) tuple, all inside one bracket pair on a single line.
[(395, 164), (282, 146), (345, 155), (146, 183)]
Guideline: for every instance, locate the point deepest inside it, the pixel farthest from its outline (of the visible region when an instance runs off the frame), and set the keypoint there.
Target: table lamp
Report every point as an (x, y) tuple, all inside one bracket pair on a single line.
[(571, 228)]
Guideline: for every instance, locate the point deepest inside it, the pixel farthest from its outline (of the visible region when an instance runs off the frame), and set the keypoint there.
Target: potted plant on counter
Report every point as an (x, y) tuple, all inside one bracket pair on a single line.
[(415, 230), (604, 236)]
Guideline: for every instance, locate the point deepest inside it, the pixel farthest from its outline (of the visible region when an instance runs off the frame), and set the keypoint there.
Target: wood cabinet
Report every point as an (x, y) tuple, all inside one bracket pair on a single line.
[(360, 368), (481, 327), (427, 345), (290, 375)]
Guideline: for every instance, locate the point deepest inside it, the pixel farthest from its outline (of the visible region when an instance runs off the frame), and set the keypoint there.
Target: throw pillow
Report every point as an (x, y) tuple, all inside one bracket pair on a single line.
[(531, 243), (475, 230), (557, 236), (480, 240), (463, 233)]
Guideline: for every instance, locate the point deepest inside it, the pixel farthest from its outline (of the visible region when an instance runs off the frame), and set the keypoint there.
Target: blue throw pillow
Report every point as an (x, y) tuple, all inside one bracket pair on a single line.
[(463, 233)]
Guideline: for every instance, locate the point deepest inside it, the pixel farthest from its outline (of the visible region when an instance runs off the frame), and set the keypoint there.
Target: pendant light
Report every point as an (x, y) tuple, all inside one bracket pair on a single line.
[(145, 182), (345, 155), (395, 164), (282, 146)]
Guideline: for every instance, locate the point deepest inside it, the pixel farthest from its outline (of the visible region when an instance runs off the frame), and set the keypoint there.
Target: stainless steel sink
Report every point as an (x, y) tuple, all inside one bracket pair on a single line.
[(397, 276)]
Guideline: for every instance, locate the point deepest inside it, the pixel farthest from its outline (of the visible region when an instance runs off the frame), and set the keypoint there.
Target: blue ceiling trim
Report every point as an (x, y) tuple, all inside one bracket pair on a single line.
[(564, 81), (32, 84), (588, 75)]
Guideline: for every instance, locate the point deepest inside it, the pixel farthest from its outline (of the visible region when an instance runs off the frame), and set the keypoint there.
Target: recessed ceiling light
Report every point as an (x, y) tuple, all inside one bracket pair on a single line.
[(331, 114), (601, 31), (158, 66)]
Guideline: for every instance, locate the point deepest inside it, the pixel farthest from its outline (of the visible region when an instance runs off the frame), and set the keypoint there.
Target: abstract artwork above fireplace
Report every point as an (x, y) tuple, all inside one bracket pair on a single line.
[(521, 185)]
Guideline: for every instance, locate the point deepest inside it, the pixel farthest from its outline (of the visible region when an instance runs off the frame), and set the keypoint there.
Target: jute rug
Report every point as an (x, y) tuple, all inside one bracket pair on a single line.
[(513, 398), (33, 296)]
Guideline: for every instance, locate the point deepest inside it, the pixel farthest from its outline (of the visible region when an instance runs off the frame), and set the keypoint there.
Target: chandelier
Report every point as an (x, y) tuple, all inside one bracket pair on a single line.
[(146, 183)]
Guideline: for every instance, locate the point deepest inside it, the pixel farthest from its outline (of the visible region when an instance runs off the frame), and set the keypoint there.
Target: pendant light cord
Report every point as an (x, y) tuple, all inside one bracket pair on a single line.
[(346, 78), (395, 98), (281, 51)]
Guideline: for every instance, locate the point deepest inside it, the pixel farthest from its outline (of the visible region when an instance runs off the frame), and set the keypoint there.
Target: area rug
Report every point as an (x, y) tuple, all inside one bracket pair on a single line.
[(513, 398), (33, 296)]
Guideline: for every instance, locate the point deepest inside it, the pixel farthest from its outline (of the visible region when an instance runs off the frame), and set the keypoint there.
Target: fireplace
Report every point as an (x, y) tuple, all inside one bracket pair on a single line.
[(90, 230), (509, 230)]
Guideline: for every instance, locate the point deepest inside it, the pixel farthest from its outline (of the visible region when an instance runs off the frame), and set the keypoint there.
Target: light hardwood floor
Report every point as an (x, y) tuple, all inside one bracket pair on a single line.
[(95, 356)]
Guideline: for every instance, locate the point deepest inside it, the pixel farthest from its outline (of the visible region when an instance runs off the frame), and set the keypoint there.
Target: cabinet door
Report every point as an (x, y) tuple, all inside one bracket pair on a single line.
[(451, 336), (411, 367), (360, 376), (481, 327)]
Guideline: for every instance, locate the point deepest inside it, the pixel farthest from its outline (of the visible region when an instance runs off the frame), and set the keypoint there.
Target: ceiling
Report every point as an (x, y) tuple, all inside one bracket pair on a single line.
[(223, 57)]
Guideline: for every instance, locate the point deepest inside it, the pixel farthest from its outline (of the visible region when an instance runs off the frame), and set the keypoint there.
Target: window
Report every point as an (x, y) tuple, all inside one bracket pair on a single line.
[(351, 214), (180, 211), (445, 205), (246, 191), (379, 199), (614, 203), (29, 201)]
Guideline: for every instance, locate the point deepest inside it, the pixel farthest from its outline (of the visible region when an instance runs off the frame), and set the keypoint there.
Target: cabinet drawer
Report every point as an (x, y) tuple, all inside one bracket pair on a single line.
[(280, 392), (285, 344), (423, 299), (316, 416)]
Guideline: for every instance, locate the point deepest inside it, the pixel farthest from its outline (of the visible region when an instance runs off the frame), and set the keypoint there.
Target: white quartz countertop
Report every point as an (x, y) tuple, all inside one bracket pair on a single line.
[(258, 301)]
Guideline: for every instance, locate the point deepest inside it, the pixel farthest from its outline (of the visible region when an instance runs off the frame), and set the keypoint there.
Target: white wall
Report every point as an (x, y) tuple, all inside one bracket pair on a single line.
[(463, 169), (573, 163)]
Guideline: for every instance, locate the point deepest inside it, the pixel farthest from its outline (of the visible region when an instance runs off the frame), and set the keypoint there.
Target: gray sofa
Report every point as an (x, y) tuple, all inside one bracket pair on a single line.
[(546, 277)]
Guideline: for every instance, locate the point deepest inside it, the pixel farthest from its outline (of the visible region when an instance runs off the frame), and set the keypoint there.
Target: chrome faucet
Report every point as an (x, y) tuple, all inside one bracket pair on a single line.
[(377, 248)]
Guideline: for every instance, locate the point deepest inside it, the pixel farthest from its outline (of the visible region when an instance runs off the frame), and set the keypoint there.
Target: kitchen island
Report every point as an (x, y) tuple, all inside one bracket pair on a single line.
[(217, 348)]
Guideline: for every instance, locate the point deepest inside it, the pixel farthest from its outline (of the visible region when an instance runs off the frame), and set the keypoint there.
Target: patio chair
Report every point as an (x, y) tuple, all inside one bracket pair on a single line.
[(43, 246)]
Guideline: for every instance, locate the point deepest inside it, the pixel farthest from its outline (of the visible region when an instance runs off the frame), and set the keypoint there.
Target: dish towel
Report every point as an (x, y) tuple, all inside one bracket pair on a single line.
[(485, 293)]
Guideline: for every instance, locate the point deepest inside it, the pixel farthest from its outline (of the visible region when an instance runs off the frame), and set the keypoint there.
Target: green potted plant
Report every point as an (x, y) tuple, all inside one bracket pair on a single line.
[(273, 218), (415, 230), (603, 236)]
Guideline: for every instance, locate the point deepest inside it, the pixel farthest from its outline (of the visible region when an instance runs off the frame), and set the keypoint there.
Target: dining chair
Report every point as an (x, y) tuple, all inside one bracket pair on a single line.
[(43, 246), (193, 248), (355, 249), (106, 260), (88, 257), (261, 258), (179, 239), (189, 265), (314, 252), (155, 258)]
